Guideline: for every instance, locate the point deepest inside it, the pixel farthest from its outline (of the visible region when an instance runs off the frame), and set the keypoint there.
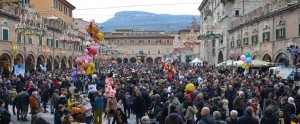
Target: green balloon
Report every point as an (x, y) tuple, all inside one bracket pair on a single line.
[(247, 54)]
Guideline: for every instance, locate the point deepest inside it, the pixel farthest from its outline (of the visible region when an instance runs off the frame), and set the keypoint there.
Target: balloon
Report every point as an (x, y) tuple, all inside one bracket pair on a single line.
[(88, 43), (248, 60), (247, 54), (86, 51), (100, 36), (93, 66), (243, 57), (41, 65), (88, 29), (83, 65), (78, 61), (190, 87), (95, 37), (88, 71)]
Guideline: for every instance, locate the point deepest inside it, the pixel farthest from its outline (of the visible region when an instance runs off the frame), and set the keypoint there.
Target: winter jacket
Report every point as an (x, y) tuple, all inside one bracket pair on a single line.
[(247, 119), (238, 103), (269, 120), (174, 118), (139, 105), (178, 106), (207, 120), (88, 109), (34, 104), (57, 117), (190, 112), (229, 120), (41, 121), (111, 104), (98, 103), (71, 104)]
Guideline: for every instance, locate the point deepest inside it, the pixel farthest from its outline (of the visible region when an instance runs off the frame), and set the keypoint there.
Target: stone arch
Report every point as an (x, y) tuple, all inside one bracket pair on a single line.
[(132, 60), (5, 63), (267, 57), (157, 60), (220, 57), (149, 60), (19, 59), (56, 62), (254, 55), (70, 62), (281, 58), (40, 61), (119, 60), (63, 62), (49, 62), (125, 60), (29, 62)]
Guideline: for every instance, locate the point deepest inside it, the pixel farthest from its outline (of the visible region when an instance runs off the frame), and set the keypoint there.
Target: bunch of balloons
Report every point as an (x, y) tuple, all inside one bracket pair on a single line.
[(94, 31), (85, 65), (91, 48), (247, 60), (44, 69)]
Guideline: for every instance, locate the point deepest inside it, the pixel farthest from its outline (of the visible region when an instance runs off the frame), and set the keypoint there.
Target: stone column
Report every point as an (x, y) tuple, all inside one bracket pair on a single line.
[(35, 63), (12, 65)]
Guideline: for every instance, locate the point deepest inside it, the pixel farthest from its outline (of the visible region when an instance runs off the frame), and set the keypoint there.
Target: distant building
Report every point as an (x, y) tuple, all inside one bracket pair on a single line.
[(80, 24), (127, 46)]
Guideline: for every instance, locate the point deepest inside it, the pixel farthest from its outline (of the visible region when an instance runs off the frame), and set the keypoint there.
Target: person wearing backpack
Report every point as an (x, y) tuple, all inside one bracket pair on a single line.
[(4, 114)]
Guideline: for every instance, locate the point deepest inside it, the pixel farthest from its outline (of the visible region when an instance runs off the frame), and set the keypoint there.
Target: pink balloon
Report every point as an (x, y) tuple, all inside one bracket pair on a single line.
[(86, 61), (86, 51), (243, 57), (78, 61)]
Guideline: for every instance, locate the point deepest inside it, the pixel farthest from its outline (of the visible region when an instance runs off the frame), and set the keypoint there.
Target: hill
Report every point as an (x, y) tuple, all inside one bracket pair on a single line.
[(139, 20)]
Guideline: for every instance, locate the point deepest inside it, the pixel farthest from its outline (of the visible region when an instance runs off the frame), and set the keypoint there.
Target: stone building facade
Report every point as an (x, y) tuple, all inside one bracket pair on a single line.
[(129, 45), (216, 17), (267, 31), (33, 51)]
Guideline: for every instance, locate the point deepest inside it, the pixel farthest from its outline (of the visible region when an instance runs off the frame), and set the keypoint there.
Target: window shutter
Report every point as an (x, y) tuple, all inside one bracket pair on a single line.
[(268, 36), (264, 35), (5, 34), (56, 44), (283, 33), (277, 34), (19, 38)]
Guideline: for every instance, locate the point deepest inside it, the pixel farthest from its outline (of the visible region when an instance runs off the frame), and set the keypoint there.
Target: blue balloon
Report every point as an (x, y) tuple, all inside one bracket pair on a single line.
[(248, 60)]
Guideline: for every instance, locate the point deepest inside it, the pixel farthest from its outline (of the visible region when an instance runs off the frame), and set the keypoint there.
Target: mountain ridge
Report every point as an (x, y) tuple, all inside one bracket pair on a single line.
[(140, 20)]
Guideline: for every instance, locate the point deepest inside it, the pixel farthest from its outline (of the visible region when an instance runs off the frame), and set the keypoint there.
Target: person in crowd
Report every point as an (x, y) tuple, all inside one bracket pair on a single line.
[(174, 101), (190, 112), (5, 117), (68, 119), (239, 103), (281, 117), (51, 92), (24, 104), (206, 117), (218, 118), (288, 109), (119, 117), (248, 118), (268, 117), (88, 111), (138, 106), (45, 97), (98, 107), (39, 117), (174, 117), (111, 107), (34, 105), (59, 113), (233, 119), (127, 104)]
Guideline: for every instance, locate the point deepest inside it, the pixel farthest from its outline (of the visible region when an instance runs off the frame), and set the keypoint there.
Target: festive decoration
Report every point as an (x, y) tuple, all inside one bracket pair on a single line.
[(94, 32), (74, 73), (190, 87), (109, 90), (44, 69), (247, 60)]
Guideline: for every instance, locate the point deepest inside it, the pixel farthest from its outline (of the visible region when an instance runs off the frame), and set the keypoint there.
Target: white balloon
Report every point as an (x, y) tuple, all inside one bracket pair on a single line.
[(87, 43)]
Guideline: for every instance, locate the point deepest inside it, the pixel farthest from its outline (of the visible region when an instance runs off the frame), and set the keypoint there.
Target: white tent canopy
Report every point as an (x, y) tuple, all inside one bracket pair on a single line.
[(197, 61), (259, 63)]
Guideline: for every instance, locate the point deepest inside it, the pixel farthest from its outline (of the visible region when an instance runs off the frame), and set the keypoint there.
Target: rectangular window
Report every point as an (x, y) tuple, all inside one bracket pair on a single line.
[(158, 51), (158, 41), (5, 34), (40, 40), (168, 41), (141, 52), (19, 37), (149, 41), (29, 40), (280, 33), (56, 43), (141, 41), (48, 42), (131, 41), (266, 36), (70, 13), (254, 39), (245, 40), (149, 52), (60, 6), (65, 10), (125, 41), (118, 41), (112, 42), (239, 43), (52, 42)]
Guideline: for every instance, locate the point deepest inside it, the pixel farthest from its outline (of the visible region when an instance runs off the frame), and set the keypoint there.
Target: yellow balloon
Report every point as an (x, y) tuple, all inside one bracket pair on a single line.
[(93, 65), (88, 71), (100, 36), (83, 65), (190, 87), (92, 71)]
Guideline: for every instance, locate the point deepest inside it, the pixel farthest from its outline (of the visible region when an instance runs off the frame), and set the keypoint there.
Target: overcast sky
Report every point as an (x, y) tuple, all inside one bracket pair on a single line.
[(102, 10)]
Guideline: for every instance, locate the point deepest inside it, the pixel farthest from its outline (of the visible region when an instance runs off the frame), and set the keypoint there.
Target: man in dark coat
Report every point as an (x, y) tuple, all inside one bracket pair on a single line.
[(288, 110), (139, 107), (206, 117), (248, 118)]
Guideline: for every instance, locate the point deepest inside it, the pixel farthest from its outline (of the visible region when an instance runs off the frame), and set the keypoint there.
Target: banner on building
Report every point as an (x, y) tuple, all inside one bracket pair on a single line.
[(19, 69)]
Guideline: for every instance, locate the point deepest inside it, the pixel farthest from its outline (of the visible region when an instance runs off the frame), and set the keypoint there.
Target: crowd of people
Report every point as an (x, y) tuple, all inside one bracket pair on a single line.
[(154, 94)]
